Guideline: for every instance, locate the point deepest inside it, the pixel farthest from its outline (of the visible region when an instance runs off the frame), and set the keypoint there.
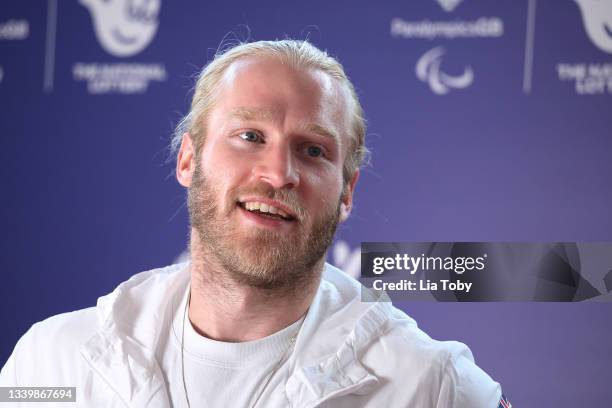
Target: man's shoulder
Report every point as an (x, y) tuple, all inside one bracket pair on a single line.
[(54, 344), (51, 349), (364, 334), (386, 324), (382, 329), (78, 326), (442, 370), (50, 346), (402, 340), (69, 328)]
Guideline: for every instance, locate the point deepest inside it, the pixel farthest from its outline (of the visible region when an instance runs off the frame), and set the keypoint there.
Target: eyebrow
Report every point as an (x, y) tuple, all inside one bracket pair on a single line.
[(322, 131), (262, 114), (252, 113)]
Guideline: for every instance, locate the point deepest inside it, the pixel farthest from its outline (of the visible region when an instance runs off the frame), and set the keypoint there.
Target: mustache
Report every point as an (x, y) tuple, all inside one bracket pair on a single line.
[(288, 198)]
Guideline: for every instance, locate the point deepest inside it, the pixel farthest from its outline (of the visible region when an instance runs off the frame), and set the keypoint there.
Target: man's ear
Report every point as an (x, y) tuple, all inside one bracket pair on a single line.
[(346, 203), (185, 161)]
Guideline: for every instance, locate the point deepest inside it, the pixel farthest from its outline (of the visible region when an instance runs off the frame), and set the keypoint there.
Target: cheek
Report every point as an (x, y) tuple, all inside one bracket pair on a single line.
[(322, 189), (222, 167)]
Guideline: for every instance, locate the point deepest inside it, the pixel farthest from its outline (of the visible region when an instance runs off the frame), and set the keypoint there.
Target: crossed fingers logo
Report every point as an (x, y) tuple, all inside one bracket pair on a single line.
[(124, 27)]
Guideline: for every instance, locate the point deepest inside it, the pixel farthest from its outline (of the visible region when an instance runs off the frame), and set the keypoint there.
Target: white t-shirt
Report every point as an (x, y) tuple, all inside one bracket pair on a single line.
[(220, 374)]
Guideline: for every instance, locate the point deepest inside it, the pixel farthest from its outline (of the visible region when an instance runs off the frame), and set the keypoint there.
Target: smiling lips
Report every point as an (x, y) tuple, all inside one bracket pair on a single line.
[(258, 207)]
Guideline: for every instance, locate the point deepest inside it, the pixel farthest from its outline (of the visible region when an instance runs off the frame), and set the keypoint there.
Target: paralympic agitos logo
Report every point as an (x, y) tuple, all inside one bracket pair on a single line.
[(428, 70)]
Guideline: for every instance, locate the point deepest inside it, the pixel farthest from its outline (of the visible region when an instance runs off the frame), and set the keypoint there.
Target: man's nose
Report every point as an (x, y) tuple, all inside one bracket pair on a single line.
[(277, 168)]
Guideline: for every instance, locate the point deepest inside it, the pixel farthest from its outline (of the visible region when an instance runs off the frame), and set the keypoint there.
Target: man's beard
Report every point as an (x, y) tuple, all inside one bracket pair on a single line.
[(259, 257)]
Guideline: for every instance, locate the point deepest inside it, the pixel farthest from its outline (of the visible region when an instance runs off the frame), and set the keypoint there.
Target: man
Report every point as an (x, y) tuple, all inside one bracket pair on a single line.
[(270, 155)]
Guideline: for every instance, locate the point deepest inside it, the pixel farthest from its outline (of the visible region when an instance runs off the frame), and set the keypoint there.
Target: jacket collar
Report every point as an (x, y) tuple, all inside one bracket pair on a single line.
[(338, 327), (123, 350), (324, 363)]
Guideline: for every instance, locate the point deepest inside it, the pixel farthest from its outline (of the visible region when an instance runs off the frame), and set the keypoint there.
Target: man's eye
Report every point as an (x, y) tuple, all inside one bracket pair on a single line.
[(315, 151), (250, 136)]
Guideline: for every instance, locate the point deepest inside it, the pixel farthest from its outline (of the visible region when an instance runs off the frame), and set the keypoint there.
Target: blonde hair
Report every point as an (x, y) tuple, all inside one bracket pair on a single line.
[(298, 54)]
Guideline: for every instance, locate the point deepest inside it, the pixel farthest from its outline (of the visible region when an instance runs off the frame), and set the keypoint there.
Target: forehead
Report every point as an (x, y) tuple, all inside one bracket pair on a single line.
[(284, 92), (257, 70)]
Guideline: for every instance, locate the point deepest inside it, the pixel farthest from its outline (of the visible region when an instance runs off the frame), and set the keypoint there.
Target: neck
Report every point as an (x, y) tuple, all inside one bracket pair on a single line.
[(224, 309)]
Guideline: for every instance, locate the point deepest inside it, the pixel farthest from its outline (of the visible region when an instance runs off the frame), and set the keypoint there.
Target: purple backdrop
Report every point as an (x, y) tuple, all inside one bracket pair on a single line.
[(489, 121)]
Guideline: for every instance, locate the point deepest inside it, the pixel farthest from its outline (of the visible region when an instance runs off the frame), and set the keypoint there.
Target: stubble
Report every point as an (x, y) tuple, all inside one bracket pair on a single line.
[(258, 257)]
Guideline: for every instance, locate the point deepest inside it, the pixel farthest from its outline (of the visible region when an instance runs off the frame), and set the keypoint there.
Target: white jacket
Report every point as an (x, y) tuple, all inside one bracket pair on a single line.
[(348, 353)]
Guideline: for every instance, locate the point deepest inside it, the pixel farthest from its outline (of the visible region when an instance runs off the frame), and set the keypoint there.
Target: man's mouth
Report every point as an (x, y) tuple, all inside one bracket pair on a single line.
[(266, 210)]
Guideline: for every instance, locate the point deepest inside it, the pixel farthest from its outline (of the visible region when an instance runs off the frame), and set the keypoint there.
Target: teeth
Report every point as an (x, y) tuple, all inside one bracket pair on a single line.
[(252, 206), (265, 208)]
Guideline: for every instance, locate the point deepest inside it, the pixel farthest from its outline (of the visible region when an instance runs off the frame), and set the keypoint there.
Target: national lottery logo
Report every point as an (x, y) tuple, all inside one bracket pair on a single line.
[(592, 77), (124, 27), (597, 19), (428, 70)]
